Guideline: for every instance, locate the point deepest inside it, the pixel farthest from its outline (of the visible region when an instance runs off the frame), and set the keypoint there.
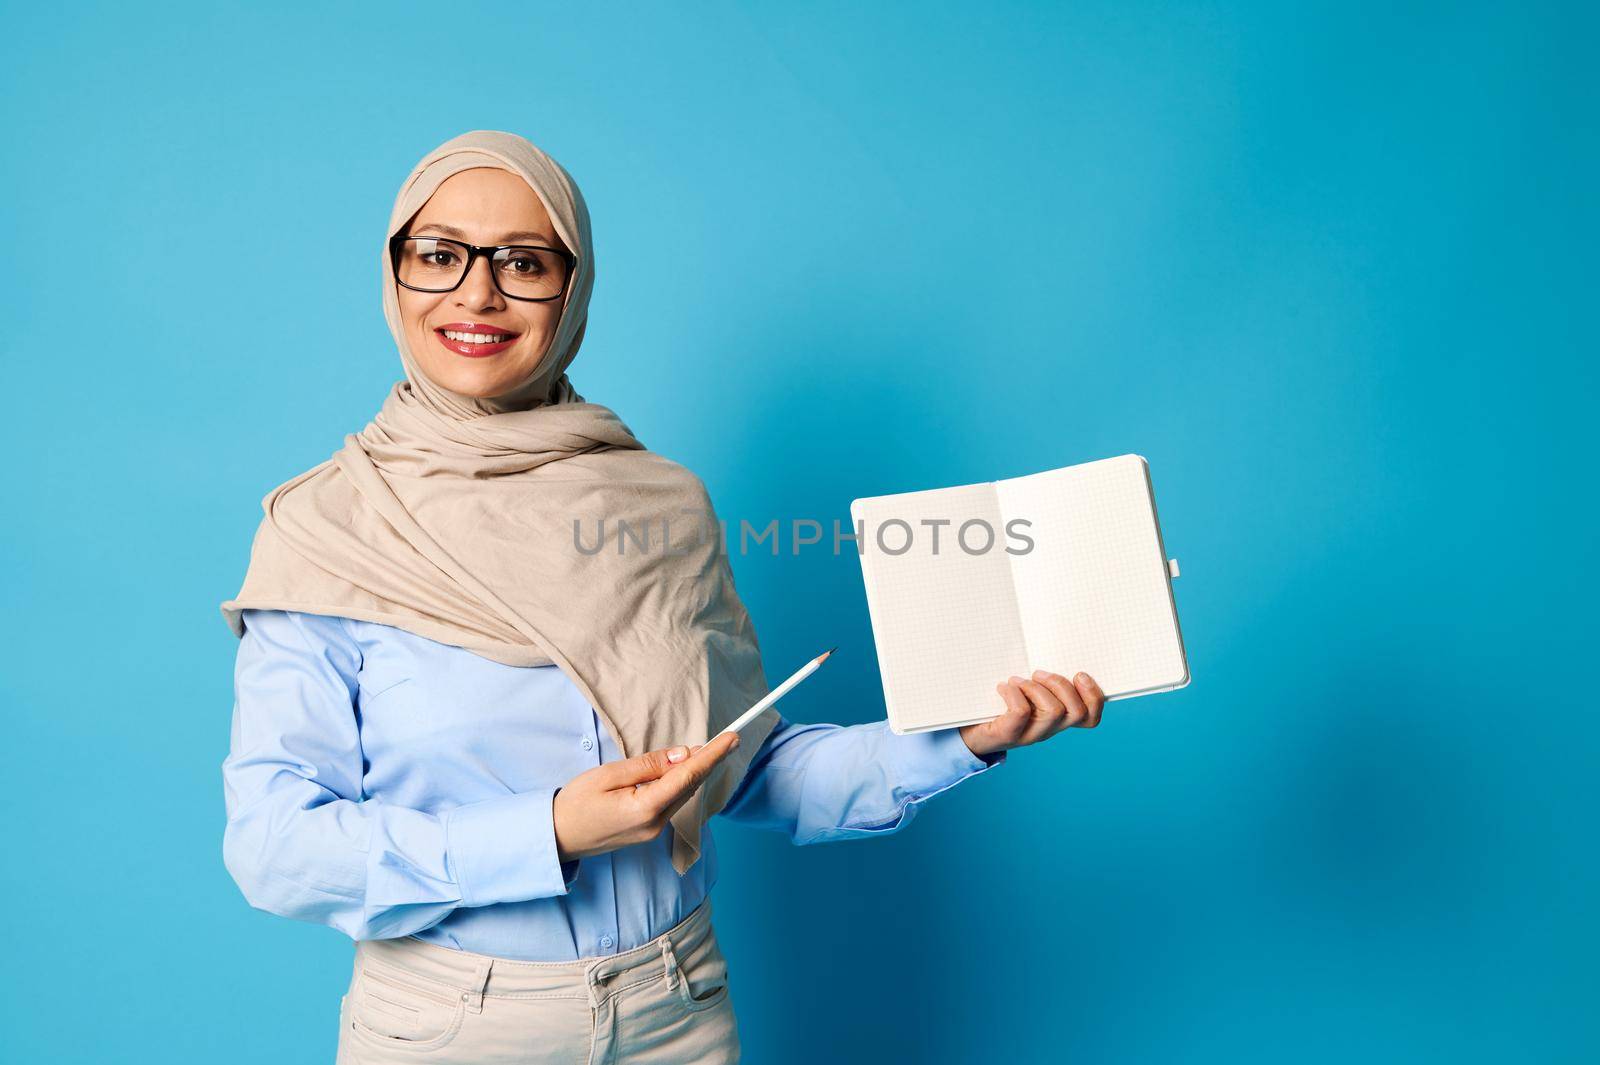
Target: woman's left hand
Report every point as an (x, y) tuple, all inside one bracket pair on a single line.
[(1036, 710)]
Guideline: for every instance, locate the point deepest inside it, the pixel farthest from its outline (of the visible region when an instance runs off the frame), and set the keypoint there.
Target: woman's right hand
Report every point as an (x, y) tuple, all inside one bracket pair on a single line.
[(621, 803)]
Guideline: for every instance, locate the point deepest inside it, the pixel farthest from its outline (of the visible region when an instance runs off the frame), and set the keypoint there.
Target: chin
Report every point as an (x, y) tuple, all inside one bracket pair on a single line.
[(479, 378), (477, 386)]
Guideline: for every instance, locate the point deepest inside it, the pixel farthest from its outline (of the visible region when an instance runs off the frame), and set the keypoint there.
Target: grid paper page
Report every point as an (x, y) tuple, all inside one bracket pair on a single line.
[(945, 624), (1094, 593)]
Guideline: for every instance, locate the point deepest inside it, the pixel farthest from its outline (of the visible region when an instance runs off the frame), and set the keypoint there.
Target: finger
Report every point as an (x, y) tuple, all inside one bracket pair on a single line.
[(641, 769), (1093, 698), (1008, 727), (1076, 712), (679, 782), (1048, 713), (680, 785), (677, 754)]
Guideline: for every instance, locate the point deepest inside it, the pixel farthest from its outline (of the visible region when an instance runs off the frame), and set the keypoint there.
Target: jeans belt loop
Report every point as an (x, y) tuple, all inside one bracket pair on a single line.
[(480, 980), (669, 961)]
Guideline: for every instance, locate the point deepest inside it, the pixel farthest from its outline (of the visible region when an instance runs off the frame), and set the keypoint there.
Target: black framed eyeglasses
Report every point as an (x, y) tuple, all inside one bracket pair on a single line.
[(520, 271)]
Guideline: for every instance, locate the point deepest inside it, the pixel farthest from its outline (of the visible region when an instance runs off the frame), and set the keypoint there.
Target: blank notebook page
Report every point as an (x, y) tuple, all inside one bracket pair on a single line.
[(945, 624), (1094, 594)]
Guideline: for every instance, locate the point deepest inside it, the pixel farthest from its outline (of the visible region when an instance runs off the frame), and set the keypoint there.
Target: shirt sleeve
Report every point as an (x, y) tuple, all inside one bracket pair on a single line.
[(303, 841), (820, 782)]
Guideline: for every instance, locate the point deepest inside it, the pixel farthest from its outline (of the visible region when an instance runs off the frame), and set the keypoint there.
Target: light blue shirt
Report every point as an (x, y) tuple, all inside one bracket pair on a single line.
[(388, 785)]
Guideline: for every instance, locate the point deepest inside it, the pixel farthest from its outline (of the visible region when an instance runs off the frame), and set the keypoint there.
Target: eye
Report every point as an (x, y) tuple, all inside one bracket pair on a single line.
[(524, 263)]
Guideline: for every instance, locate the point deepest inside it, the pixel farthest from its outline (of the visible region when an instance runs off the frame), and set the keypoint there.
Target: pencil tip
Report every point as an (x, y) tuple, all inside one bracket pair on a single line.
[(826, 653)]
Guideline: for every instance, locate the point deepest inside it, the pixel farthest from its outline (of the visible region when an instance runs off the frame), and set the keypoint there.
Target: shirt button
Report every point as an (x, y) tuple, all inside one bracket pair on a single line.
[(605, 941), (588, 744)]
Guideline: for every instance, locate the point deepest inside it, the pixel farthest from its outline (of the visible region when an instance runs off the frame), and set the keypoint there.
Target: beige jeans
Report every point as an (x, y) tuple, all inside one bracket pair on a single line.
[(664, 1002)]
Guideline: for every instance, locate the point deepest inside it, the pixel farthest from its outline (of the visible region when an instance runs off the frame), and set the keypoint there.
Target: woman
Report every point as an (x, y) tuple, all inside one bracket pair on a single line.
[(480, 752)]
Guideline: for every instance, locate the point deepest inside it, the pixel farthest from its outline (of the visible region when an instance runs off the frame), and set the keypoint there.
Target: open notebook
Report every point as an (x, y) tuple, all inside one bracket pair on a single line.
[(1076, 578)]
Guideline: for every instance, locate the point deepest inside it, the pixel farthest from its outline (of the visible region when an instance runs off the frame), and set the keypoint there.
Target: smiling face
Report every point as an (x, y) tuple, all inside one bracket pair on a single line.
[(481, 206)]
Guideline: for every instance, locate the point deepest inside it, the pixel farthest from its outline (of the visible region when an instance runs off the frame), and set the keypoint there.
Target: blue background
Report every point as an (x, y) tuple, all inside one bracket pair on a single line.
[(1330, 270)]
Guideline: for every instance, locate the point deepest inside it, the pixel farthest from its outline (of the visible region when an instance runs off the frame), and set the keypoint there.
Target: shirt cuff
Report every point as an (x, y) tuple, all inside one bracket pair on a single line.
[(926, 763), (504, 849)]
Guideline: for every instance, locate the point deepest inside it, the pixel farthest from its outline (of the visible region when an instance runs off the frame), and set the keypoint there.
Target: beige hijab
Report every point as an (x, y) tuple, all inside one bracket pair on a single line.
[(453, 518)]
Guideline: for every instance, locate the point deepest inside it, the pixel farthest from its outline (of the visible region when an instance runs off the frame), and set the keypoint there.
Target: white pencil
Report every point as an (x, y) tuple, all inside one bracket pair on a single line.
[(779, 692)]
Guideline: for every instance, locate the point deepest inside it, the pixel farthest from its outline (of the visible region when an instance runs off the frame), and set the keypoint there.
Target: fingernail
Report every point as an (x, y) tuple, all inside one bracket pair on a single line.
[(1083, 677), (1039, 674), (735, 742), (677, 754), (1016, 680)]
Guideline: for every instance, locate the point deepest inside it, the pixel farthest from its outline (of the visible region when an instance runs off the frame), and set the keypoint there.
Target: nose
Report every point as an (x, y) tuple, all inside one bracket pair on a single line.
[(477, 290)]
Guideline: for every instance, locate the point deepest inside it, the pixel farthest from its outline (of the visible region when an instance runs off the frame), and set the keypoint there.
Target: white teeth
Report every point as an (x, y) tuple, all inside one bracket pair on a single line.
[(477, 338)]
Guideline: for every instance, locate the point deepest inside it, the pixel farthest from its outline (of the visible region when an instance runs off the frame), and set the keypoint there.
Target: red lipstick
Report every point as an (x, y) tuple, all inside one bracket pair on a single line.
[(476, 349)]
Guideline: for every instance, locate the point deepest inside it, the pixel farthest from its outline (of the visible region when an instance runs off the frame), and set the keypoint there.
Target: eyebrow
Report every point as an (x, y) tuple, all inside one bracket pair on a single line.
[(452, 231)]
